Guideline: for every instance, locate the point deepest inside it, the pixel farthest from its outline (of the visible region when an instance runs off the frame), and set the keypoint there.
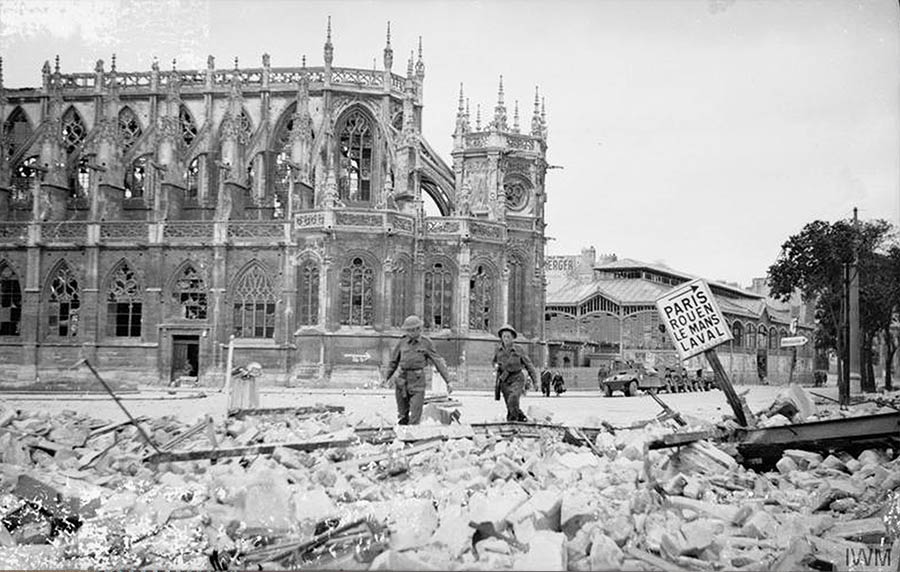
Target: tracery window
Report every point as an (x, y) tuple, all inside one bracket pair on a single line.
[(64, 303), (129, 128), (357, 293), (188, 127), (124, 304), (737, 331), (400, 292), (751, 337), (308, 303), (190, 294), (136, 177), (516, 293), (10, 301), (192, 195), (516, 194), (254, 305), (356, 158), (438, 297), (16, 130), (773, 339), (80, 178), (23, 178), (73, 131), (481, 299)]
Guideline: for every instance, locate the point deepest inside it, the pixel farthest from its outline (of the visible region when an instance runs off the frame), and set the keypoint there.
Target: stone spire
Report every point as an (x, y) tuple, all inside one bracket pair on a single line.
[(1, 72), (420, 64), (500, 110), (329, 49), (478, 117), (388, 51), (516, 118), (460, 112), (56, 67), (536, 117), (543, 119), (409, 66)]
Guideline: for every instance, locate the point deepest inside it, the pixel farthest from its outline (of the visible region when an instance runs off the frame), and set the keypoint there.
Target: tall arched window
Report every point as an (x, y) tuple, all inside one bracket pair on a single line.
[(17, 130), (308, 294), (737, 332), (516, 293), (438, 297), (355, 146), (136, 177), (80, 178), (73, 131), (10, 301), (254, 305), (762, 334), (124, 304), (481, 299), (401, 287), (192, 184), (23, 177), (751, 337), (129, 128), (64, 303), (188, 127), (190, 294), (357, 297)]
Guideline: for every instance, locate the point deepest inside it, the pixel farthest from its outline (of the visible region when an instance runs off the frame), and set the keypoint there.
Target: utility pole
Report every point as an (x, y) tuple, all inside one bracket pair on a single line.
[(853, 341), (843, 336)]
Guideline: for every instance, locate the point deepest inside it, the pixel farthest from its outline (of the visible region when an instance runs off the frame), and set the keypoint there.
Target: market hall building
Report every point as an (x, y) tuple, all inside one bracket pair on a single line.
[(148, 217), (603, 308)]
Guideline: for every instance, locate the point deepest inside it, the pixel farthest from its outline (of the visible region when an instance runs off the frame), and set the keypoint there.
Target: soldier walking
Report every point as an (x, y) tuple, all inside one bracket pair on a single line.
[(411, 354), (509, 361)]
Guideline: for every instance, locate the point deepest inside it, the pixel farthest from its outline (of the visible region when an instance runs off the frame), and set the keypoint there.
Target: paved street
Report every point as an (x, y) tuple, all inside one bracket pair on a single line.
[(581, 408)]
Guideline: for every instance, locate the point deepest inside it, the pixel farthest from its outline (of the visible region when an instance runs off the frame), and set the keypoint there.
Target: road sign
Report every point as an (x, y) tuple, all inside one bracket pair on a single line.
[(693, 318), (794, 341)]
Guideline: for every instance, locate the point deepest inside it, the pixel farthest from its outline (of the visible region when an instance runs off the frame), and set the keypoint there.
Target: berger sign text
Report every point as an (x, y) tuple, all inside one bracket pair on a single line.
[(693, 319)]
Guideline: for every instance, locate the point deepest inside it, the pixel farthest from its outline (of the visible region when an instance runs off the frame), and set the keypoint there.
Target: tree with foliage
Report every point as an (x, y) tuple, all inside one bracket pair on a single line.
[(812, 262)]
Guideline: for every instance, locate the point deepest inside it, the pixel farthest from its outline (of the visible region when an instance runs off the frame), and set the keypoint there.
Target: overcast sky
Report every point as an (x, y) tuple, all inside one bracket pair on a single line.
[(697, 133)]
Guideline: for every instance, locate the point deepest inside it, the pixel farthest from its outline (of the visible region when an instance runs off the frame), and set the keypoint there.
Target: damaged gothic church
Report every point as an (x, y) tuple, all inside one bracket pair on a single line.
[(148, 218)]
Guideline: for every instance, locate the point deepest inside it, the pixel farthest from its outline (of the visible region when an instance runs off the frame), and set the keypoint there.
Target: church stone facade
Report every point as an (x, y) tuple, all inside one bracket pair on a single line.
[(149, 218)]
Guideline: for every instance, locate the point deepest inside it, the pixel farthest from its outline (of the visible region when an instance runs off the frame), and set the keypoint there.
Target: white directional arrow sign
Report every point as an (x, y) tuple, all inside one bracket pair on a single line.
[(794, 341)]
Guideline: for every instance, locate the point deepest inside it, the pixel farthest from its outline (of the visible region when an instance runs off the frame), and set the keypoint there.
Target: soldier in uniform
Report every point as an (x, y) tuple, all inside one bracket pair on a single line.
[(509, 361), (411, 354)]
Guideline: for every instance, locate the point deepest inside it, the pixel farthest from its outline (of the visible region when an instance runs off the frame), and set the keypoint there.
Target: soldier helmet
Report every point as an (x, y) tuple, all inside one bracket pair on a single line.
[(412, 322), (507, 328)]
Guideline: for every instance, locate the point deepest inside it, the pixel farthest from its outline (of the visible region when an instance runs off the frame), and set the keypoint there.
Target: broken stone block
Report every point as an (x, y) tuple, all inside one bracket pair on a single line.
[(620, 528), (843, 505), (547, 551), (760, 525), (870, 457), (805, 460), (786, 465), (605, 552), (453, 532), (414, 524), (694, 488), (832, 462), (853, 465), (832, 490), (579, 460), (700, 534), (576, 509), (495, 504), (265, 502), (672, 544), (542, 509), (312, 505)]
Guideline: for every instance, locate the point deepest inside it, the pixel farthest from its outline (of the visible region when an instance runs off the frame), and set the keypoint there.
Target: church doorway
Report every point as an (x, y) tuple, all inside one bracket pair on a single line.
[(185, 360)]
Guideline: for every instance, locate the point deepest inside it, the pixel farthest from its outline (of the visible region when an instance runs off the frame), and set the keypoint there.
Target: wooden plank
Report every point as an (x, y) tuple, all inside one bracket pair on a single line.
[(355, 463), (303, 410), (655, 561), (726, 387), (678, 439), (112, 427), (262, 449)]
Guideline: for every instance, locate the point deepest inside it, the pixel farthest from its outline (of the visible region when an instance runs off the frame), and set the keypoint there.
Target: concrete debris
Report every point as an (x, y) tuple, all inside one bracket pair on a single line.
[(76, 493)]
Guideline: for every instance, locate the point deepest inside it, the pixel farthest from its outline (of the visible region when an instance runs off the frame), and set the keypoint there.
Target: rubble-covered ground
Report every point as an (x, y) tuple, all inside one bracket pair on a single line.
[(77, 492)]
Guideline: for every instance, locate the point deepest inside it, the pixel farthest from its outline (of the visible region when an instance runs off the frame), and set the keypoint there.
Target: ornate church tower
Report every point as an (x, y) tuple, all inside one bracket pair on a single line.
[(499, 172)]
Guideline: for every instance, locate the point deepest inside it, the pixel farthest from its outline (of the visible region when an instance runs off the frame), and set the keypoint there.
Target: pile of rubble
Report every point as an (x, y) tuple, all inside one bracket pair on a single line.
[(77, 493)]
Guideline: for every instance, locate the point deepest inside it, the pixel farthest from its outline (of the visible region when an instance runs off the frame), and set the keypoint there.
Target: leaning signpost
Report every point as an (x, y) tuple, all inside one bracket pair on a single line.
[(696, 325)]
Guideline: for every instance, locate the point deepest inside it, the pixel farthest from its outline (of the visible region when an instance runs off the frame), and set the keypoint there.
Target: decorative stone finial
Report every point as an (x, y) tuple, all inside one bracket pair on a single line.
[(112, 64), (174, 62), (460, 105), (56, 68), (516, 117), (329, 48), (420, 64), (210, 62), (235, 63), (265, 60), (388, 51), (155, 65), (478, 117), (303, 60)]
